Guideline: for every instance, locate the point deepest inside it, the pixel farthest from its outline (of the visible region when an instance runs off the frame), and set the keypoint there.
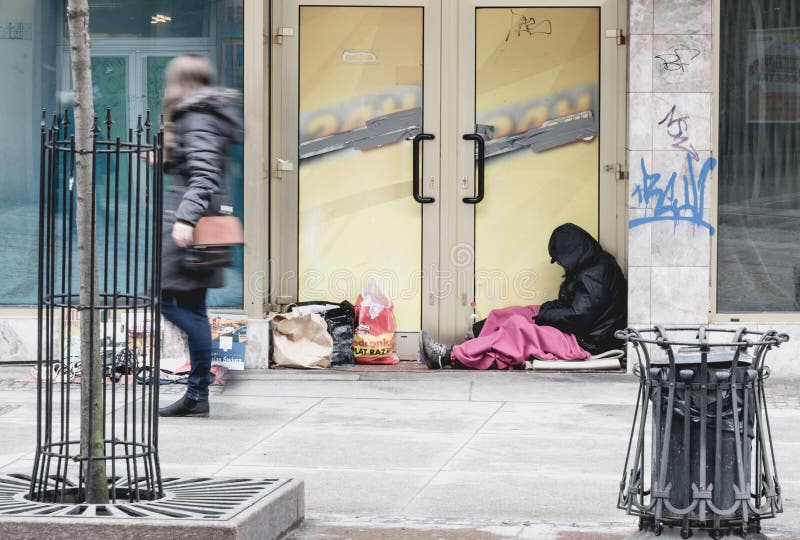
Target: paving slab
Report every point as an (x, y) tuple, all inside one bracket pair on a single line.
[(533, 454), (376, 450), (255, 420), (330, 526), (291, 375), (593, 420), (555, 388), (398, 416), (519, 496), (347, 491), (384, 389)]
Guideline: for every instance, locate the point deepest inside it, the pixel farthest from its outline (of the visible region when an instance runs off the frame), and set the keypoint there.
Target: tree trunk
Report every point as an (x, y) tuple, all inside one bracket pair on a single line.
[(92, 418)]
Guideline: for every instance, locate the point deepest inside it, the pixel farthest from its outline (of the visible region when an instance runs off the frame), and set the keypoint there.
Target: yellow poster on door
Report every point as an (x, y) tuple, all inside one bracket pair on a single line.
[(360, 103), (537, 74)]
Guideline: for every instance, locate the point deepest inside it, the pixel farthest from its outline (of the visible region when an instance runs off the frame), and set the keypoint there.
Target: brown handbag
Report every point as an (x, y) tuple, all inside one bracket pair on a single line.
[(213, 241), (215, 231)]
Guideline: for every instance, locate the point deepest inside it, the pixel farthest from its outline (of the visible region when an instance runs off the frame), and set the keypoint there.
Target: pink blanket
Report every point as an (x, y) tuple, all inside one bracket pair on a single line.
[(510, 337)]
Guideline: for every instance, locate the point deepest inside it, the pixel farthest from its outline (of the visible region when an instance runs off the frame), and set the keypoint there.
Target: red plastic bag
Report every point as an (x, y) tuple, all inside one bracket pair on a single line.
[(373, 342)]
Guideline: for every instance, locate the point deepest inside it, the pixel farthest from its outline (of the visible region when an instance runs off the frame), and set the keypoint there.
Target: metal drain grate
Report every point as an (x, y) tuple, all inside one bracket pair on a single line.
[(217, 499)]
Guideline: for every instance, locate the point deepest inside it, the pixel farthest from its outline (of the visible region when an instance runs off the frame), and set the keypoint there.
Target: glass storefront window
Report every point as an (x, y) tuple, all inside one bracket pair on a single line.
[(758, 249), (151, 18), (32, 59), (130, 49)]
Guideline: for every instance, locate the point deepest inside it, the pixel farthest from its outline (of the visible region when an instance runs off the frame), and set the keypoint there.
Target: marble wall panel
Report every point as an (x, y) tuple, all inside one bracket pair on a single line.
[(681, 16), (680, 63), (680, 295), (639, 294), (682, 119), (640, 17), (640, 121), (640, 57), (640, 247), (680, 244)]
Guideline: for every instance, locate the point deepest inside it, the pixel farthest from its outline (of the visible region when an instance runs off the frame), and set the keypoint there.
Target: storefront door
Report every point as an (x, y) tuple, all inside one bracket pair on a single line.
[(388, 115), (537, 84)]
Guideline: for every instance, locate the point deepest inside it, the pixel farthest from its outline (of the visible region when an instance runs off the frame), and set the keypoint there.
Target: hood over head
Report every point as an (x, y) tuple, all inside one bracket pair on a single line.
[(223, 102), (572, 247)]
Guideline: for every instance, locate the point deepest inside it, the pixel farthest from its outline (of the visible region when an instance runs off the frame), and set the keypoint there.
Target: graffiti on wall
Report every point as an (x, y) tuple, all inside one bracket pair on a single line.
[(677, 125), (669, 199), (521, 24), (678, 59)]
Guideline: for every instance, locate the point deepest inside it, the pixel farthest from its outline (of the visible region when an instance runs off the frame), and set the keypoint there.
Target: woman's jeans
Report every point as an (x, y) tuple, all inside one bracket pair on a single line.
[(187, 311)]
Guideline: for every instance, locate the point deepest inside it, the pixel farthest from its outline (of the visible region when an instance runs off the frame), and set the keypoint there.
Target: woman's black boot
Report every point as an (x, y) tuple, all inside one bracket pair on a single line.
[(185, 407)]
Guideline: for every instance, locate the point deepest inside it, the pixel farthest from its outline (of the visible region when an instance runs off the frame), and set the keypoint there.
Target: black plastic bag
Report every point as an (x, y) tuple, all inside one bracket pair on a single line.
[(341, 327)]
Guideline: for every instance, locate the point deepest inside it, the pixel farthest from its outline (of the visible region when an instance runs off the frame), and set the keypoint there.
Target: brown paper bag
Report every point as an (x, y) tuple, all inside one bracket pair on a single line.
[(301, 340)]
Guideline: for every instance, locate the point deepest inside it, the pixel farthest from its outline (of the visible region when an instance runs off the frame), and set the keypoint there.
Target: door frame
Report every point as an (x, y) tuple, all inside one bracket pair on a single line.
[(284, 162), (446, 312), (459, 117)]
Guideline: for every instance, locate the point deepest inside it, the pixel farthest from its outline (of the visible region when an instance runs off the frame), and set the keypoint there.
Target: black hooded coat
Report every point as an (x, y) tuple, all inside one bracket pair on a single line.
[(592, 301), (205, 123)]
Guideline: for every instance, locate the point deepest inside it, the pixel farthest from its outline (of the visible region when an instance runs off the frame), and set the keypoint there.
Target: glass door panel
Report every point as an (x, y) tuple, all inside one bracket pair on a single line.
[(537, 78), (110, 80), (360, 103), (155, 79)]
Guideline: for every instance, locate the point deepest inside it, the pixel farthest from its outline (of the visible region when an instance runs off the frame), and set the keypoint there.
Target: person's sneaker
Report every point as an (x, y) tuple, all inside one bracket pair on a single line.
[(432, 354), (185, 407)]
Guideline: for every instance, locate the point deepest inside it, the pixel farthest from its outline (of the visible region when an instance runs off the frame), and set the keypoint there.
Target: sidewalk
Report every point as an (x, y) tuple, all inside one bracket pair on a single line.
[(466, 455)]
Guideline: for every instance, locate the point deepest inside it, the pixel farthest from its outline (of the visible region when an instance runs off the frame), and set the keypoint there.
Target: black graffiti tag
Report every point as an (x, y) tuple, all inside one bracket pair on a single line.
[(521, 24), (678, 59)]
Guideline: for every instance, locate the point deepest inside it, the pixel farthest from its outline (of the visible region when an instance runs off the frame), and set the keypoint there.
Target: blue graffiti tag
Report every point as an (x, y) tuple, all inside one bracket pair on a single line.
[(669, 205)]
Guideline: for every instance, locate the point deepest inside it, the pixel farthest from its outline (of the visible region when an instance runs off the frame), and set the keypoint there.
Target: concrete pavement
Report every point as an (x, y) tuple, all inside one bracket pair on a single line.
[(423, 455)]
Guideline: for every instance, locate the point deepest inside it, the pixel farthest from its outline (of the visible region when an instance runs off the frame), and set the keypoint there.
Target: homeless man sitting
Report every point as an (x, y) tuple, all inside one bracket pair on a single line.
[(591, 306)]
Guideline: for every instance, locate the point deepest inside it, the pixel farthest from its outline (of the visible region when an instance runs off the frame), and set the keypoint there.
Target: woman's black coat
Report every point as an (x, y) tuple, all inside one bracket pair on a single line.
[(205, 123), (593, 300)]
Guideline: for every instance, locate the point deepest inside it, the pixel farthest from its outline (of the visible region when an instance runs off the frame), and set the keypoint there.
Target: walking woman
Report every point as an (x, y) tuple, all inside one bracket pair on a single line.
[(201, 122)]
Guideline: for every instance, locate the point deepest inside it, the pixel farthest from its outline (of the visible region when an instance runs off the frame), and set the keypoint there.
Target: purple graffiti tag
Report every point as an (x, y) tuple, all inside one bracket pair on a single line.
[(676, 128), (669, 205)]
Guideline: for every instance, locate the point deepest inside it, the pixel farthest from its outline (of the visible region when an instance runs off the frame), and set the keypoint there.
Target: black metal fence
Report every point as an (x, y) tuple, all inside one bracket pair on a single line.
[(700, 453), (126, 204)]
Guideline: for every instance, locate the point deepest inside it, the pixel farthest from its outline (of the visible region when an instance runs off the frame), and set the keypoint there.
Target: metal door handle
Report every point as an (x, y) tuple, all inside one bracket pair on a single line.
[(415, 185), (480, 142)]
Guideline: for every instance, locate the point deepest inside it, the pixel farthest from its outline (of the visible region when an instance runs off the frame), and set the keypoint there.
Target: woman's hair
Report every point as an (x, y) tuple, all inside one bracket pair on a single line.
[(185, 74)]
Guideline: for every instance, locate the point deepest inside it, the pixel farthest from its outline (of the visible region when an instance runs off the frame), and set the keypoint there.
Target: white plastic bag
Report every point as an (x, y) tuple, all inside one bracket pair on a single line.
[(373, 297)]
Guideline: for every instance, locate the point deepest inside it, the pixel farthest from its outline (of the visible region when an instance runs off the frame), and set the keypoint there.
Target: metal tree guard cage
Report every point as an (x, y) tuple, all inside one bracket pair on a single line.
[(127, 180), (708, 463)]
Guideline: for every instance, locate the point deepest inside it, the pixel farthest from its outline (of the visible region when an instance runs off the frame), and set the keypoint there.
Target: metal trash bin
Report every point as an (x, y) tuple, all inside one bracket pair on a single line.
[(708, 462)]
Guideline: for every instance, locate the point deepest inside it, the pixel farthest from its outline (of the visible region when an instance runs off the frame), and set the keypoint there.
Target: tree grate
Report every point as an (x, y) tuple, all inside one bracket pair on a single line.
[(207, 499)]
